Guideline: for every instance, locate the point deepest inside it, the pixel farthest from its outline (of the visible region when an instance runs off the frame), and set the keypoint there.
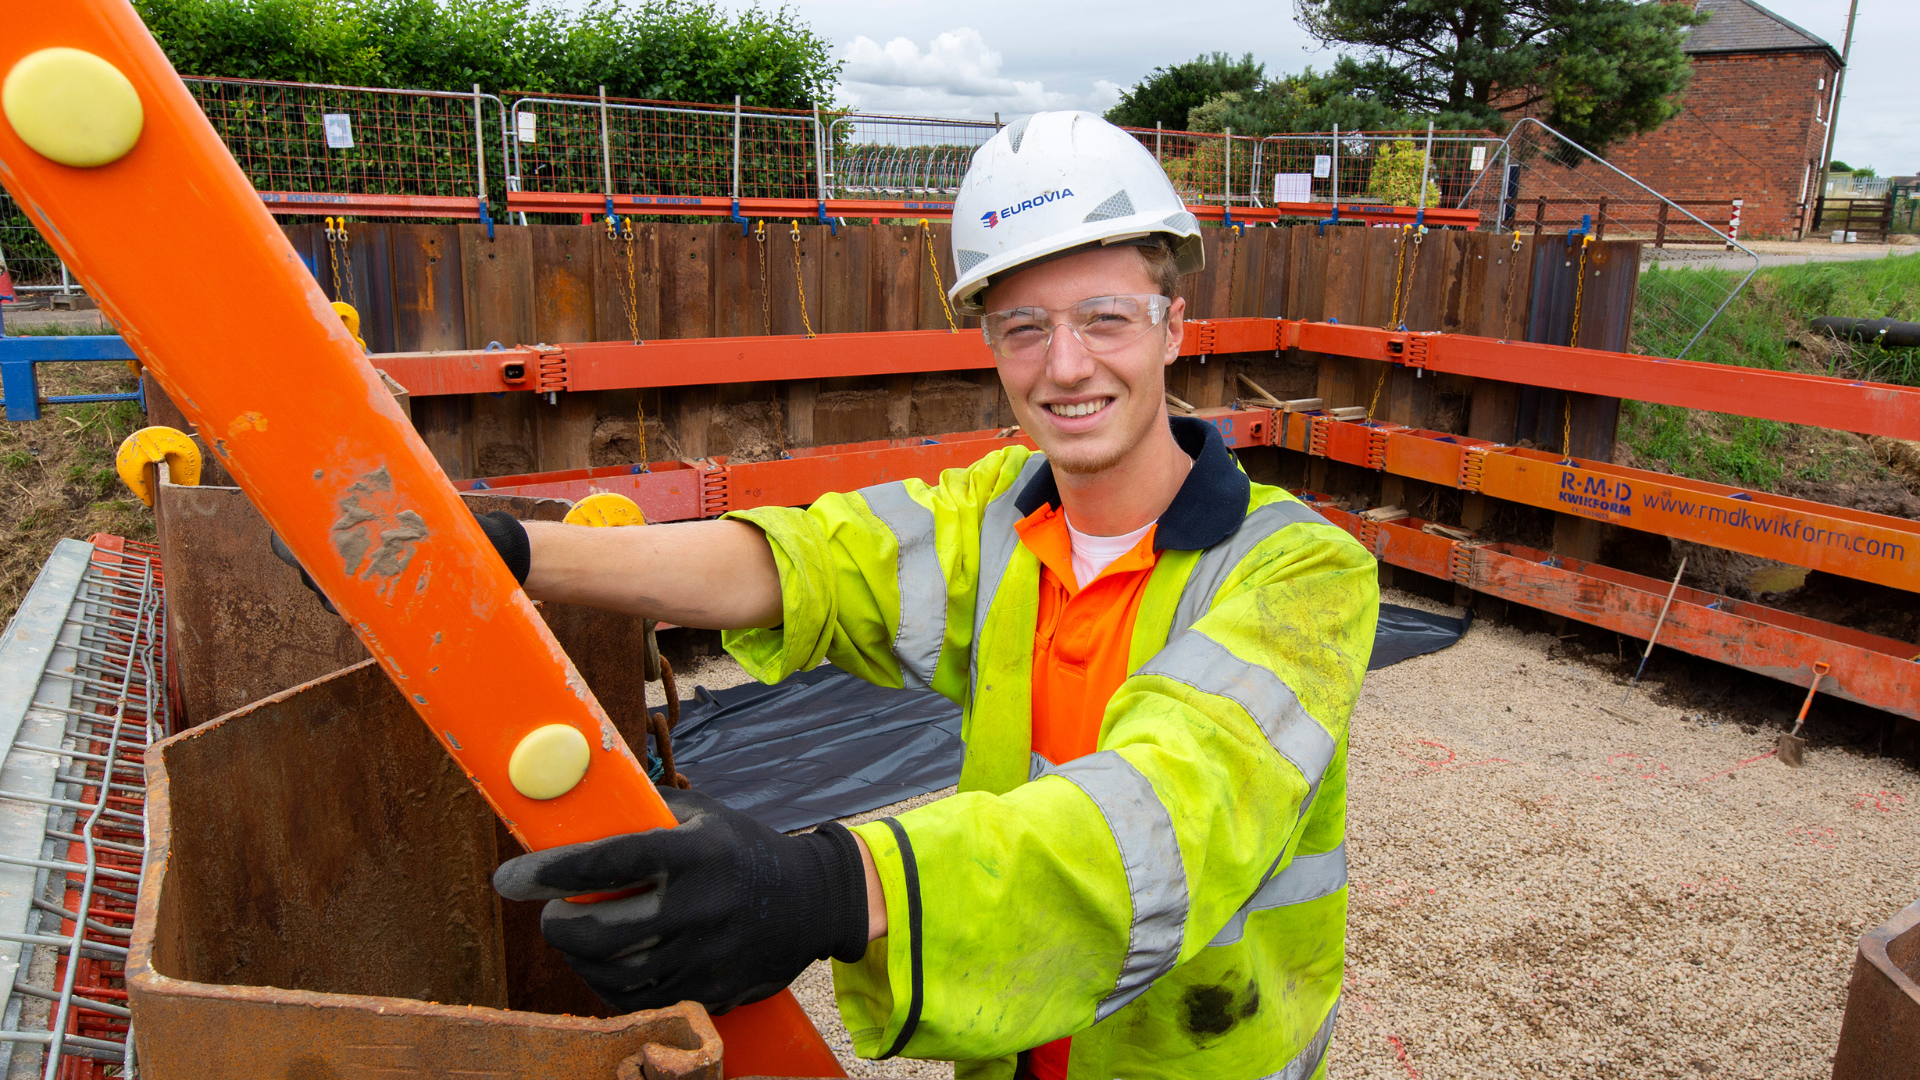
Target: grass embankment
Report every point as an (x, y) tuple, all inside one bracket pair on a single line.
[(57, 477), (1766, 326)]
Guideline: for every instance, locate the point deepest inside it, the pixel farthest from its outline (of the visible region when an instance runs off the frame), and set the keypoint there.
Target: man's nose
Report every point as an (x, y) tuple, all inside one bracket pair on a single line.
[(1068, 359)]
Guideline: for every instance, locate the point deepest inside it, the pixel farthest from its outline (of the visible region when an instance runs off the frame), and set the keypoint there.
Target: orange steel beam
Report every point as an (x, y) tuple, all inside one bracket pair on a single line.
[(1851, 543), (569, 202), (327, 458), (1843, 404), (321, 202), (1874, 671)]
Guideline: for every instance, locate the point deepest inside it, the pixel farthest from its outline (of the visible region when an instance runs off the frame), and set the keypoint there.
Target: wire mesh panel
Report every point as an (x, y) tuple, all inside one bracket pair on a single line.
[(304, 139), (873, 156), (1384, 167), (74, 796), (1546, 184), (26, 258), (663, 149)]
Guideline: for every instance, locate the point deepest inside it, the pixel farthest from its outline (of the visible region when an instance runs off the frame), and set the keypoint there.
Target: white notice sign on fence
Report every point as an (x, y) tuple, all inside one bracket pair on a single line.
[(523, 123), (1293, 187), (1322, 166), (339, 130), (1479, 159)]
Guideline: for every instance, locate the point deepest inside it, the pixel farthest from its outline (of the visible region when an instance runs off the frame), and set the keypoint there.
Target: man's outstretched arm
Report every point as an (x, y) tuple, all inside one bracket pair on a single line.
[(718, 575)]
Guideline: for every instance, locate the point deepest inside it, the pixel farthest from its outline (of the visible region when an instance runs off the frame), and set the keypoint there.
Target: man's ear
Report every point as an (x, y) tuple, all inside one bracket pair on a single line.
[(1176, 330)]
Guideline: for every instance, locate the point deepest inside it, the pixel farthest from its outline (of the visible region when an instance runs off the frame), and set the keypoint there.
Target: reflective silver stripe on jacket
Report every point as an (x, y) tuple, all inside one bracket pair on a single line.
[(923, 588), (997, 543), (1150, 852), (1199, 661), (1213, 566), (1304, 1064), (1307, 877)]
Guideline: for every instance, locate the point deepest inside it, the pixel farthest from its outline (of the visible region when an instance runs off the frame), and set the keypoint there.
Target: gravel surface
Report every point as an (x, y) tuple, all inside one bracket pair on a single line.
[(1541, 887), (1772, 253)]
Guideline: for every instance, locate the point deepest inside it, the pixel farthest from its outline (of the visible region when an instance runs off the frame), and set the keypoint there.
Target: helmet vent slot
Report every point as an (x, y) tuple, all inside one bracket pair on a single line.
[(1017, 131), (969, 259), (1119, 204)]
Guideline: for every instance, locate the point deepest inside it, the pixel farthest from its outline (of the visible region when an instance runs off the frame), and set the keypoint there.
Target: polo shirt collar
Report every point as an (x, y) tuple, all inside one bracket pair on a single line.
[(1209, 506)]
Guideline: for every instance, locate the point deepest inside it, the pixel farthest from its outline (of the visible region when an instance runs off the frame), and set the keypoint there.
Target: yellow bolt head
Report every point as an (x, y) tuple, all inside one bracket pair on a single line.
[(73, 107), (549, 761)]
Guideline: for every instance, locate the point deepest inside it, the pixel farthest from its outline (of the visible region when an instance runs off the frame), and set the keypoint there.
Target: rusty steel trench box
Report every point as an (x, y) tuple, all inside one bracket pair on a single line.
[(318, 901)]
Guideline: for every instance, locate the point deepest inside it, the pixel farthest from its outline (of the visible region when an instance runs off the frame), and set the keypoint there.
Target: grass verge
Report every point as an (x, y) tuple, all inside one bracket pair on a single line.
[(57, 477), (1766, 326)]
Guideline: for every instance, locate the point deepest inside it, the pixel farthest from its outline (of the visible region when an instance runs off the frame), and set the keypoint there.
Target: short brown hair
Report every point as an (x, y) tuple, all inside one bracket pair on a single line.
[(1162, 267)]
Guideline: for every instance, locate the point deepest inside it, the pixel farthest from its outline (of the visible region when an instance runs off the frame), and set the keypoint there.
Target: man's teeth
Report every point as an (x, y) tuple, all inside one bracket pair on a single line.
[(1085, 408)]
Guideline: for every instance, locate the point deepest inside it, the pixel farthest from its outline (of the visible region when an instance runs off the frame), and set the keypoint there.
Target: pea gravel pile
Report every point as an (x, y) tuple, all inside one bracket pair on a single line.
[(1541, 887)]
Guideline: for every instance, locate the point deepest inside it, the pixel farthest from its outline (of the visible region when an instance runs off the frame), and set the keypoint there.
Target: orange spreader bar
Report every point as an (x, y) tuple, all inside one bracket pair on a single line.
[(1841, 404), (327, 456), (1876, 671)]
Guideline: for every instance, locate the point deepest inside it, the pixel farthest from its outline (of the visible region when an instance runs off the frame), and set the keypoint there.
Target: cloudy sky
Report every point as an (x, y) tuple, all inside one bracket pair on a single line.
[(973, 60)]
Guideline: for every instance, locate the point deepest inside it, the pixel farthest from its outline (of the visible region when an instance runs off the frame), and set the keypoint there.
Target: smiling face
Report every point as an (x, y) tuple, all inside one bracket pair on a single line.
[(1088, 412)]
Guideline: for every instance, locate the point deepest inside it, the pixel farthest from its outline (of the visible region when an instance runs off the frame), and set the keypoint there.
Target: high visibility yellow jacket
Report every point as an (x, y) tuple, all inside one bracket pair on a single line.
[(1176, 901)]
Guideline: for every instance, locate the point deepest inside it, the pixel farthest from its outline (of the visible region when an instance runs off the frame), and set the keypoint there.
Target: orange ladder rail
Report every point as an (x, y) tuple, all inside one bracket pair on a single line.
[(149, 195)]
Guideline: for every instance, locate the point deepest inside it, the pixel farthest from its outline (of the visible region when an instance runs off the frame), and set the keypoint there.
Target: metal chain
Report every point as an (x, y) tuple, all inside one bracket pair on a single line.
[(1233, 263), (622, 231), (337, 251), (798, 284), (1573, 338), (1513, 284), (939, 283), (766, 312)]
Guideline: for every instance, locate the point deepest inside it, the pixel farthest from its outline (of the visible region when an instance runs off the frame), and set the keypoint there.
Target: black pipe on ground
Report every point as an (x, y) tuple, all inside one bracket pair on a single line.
[(1887, 333)]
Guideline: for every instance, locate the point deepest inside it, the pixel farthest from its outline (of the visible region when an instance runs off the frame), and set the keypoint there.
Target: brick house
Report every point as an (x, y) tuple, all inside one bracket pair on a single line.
[(1754, 120)]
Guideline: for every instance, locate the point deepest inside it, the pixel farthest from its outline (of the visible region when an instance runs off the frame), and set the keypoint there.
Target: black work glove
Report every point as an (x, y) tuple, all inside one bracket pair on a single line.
[(507, 535), (733, 911)]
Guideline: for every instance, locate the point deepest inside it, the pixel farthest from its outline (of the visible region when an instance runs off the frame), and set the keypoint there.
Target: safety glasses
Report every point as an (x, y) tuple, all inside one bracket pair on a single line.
[(1103, 324)]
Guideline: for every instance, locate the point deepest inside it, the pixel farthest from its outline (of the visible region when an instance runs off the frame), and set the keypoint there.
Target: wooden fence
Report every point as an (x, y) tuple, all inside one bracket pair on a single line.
[(444, 287)]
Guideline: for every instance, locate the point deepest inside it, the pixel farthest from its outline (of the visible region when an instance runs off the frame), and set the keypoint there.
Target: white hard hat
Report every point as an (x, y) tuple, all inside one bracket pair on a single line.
[(1053, 182)]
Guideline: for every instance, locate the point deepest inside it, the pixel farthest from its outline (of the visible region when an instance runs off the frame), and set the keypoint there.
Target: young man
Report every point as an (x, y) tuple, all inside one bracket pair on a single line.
[(1143, 873)]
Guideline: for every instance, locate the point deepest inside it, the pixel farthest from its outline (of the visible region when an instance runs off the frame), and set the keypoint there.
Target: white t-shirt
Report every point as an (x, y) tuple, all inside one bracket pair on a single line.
[(1092, 554)]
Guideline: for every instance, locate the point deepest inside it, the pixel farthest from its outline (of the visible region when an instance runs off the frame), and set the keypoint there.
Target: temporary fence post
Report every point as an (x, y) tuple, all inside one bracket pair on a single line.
[(1156, 139), (66, 282), (1426, 162), (1336, 170), (1226, 175), (1506, 178), (480, 160), (736, 153), (606, 152)]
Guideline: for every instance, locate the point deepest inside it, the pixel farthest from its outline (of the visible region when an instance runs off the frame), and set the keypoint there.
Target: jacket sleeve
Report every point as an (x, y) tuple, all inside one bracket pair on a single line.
[(879, 581), (1016, 919)]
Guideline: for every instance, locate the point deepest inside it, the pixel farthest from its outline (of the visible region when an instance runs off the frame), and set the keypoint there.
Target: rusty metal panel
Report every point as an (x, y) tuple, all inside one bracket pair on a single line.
[(318, 904), (1880, 1032), (241, 626)]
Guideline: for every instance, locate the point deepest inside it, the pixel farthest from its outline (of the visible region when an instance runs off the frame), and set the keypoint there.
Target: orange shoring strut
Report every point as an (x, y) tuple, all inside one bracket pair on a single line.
[(287, 399)]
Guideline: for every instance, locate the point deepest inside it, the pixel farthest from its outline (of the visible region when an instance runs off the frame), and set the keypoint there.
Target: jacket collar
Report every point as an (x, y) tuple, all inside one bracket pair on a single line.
[(1209, 506)]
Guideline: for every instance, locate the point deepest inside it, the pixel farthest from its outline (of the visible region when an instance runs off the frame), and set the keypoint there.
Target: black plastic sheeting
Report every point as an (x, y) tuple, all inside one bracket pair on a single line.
[(825, 744)]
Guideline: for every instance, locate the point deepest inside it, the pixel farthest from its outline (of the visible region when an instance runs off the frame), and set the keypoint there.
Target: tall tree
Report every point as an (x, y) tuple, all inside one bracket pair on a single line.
[(1596, 70), (1168, 94)]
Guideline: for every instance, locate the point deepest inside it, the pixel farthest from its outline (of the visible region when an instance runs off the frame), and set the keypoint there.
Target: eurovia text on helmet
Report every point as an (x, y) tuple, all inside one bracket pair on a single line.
[(994, 217)]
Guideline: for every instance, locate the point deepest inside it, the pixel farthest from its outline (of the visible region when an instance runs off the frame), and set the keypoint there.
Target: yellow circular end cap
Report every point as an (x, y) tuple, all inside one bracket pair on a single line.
[(606, 508), (549, 761), (348, 316), (73, 107)]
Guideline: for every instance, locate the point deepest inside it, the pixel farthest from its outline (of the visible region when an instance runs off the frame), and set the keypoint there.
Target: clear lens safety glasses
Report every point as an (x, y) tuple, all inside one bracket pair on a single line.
[(1102, 323)]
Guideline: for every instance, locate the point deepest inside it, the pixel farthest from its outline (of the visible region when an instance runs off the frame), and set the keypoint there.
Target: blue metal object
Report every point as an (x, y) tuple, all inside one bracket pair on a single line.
[(485, 216), (737, 219), (833, 224), (1586, 228), (1334, 220), (18, 382)]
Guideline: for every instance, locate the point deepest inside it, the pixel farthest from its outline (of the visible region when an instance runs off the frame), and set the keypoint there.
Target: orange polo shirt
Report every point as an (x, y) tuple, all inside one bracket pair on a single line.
[(1080, 649)]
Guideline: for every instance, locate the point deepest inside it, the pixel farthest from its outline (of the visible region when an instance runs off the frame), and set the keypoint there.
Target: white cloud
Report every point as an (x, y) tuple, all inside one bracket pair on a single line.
[(957, 74)]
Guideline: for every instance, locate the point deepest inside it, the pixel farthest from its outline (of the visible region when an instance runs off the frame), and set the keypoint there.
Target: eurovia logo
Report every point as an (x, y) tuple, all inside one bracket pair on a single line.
[(995, 217)]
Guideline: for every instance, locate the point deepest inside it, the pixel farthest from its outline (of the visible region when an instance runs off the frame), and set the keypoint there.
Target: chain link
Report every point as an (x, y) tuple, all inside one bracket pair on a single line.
[(798, 284), (338, 252), (621, 231), (1573, 338), (760, 242), (939, 283)]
